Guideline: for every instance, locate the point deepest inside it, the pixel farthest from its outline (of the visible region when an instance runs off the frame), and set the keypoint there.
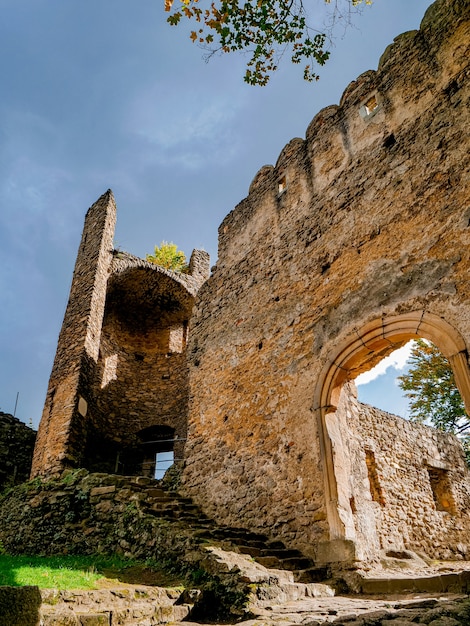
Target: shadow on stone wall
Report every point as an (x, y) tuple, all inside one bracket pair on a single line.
[(19, 606)]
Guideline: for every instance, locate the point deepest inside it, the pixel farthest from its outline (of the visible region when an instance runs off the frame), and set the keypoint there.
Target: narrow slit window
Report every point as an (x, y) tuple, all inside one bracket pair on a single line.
[(369, 107), (375, 488), (441, 489), (281, 185)]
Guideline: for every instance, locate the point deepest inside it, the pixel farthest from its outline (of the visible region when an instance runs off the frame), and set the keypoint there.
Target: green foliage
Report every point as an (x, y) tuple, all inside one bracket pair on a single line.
[(80, 572), (264, 29), (61, 572), (466, 448), (168, 256), (431, 388)]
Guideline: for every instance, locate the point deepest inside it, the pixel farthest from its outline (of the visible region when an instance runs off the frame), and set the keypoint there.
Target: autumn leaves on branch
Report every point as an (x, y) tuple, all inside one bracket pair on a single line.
[(265, 29)]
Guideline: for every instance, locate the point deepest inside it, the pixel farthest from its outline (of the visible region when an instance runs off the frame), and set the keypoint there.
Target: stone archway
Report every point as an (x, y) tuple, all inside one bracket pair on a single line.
[(358, 353)]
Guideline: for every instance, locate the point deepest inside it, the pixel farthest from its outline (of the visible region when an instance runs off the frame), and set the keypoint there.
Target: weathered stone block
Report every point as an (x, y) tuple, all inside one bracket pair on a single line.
[(94, 619), (101, 491)]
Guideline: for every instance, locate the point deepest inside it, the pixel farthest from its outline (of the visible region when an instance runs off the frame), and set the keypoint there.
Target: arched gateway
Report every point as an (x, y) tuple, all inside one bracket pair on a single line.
[(358, 353)]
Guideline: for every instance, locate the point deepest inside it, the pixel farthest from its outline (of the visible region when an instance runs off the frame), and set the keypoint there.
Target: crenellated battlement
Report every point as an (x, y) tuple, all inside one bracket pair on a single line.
[(365, 131)]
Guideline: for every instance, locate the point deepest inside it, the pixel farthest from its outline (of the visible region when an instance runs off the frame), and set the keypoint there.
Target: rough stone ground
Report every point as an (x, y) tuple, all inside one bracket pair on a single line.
[(450, 610), (99, 514), (404, 610), (278, 601)]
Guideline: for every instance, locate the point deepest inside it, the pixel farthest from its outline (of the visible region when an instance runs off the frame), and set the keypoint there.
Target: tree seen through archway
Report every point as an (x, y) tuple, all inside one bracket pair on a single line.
[(425, 387)]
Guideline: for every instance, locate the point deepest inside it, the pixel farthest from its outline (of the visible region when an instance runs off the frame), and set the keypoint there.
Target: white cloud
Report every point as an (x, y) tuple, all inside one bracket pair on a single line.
[(397, 360), (187, 130)]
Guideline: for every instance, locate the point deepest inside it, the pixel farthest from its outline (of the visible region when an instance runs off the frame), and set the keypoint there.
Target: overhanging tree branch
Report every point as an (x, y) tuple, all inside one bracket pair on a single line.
[(265, 29)]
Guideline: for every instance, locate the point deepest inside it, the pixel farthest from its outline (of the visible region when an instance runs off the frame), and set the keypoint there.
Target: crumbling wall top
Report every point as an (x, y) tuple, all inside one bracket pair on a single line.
[(123, 262)]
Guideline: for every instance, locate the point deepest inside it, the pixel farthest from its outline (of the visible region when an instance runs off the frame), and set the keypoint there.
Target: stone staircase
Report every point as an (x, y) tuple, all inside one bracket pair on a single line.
[(274, 555), (271, 554)]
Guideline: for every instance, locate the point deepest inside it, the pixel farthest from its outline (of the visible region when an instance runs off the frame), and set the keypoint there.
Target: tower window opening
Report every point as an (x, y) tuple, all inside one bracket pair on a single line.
[(375, 487), (441, 489), (282, 185), (369, 107), (163, 461)]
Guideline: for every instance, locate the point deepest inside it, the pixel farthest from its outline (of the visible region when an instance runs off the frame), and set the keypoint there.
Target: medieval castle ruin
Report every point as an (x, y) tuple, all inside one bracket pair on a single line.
[(355, 242)]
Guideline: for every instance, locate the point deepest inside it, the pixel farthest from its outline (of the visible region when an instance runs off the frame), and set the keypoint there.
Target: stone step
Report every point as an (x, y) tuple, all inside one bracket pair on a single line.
[(296, 563), (276, 545), (288, 593), (234, 534), (282, 553), (143, 481), (243, 543), (170, 505), (122, 605), (150, 501), (251, 550), (163, 505), (189, 508), (311, 575), (182, 499), (270, 562), (155, 492), (455, 582), (260, 550)]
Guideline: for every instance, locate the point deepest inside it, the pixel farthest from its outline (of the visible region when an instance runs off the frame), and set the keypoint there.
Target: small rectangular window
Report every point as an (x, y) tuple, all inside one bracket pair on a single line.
[(375, 488), (163, 461), (281, 185), (369, 107), (441, 489)]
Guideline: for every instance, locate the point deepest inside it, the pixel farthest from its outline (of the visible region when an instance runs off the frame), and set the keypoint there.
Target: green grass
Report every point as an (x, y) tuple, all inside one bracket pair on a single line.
[(77, 572)]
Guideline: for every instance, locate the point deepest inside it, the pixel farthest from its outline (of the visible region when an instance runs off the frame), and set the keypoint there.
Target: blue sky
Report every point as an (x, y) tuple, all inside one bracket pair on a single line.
[(101, 93), (379, 386)]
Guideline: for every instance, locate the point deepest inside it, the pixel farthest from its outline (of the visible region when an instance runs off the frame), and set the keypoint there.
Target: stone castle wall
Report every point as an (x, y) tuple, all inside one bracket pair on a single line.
[(360, 230), (16, 450), (355, 242), (61, 432), (410, 478)]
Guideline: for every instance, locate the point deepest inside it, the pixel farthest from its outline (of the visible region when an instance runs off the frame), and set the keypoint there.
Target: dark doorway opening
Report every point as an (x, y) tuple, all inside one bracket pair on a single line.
[(158, 443)]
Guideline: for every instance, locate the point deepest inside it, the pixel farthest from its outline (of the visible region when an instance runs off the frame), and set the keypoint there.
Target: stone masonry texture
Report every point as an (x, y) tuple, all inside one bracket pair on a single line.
[(119, 384), (355, 242), (16, 450), (392, 463)]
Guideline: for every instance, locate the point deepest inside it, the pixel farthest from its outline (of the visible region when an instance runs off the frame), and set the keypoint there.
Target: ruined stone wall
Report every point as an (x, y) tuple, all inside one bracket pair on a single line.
[(364, 219), (86, 513), (60, 436), (412, 479), (120, 365), (141, 382), (16, 450), (151, 388)]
